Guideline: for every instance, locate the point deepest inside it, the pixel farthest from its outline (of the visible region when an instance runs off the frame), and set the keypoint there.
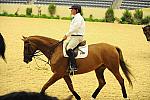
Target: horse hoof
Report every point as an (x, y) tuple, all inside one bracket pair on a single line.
[(69, 97), (43, 93), (126, 99), (93, 98)]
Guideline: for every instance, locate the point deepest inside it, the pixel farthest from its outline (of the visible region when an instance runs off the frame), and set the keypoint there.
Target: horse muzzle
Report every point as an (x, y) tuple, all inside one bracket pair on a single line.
[(27, 59), (148, 38)]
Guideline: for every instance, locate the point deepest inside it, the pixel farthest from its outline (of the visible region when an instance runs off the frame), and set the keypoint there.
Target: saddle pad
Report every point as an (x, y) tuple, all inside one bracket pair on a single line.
[(82, 52)]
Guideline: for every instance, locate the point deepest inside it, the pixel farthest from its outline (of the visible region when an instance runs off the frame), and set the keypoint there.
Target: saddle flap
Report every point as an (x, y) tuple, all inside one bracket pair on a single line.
[(80, 51)]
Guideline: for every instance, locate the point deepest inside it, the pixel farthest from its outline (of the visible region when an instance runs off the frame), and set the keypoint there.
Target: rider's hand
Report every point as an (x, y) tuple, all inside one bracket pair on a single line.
[(65, 37)]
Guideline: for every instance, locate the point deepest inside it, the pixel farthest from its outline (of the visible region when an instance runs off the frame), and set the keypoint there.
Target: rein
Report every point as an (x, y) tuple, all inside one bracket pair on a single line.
[(51, 49)]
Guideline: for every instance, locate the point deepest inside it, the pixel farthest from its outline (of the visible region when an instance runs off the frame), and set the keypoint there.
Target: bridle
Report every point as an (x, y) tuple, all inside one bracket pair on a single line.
[(38, 53)]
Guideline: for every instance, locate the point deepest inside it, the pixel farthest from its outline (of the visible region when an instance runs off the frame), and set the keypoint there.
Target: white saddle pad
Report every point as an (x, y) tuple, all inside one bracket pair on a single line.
[(82, 52)]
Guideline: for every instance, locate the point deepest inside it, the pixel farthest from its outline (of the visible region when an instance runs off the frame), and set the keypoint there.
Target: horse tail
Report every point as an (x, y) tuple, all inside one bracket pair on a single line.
[(124, 67), (2, 47)]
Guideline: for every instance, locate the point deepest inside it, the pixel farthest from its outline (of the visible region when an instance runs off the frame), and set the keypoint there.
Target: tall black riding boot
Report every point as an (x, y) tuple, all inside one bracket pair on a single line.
[(71, 55)]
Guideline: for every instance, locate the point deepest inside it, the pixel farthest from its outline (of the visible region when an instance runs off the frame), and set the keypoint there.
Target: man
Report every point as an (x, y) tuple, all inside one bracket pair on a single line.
[(76, 32)]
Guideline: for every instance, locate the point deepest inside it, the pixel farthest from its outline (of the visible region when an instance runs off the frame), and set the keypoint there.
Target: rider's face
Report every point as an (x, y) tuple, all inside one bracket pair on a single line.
[(73, 11)]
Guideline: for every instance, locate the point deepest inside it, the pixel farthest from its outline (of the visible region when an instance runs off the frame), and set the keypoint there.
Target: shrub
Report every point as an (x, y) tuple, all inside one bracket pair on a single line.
[(91, 16), (146, 20), (138, 15), (52, 9), (127, 17), (36, 16), (11, 15), (43, 16), (21, 15), (88, 19), (66, 18), (58, 17), (4, 13), (102, 20), (109, 15), (117, 19), (95, 20), (28, 11)]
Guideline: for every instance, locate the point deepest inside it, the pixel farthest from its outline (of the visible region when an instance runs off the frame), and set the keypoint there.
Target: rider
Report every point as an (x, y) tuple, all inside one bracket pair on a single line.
[(76, 33)]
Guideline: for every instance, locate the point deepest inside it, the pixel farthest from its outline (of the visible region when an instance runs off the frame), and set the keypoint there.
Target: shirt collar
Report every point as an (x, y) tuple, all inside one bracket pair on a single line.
[(76, 15)]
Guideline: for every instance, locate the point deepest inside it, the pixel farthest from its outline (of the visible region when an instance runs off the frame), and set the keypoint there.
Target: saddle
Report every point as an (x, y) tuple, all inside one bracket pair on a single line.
[(83, 43), (80, 51)]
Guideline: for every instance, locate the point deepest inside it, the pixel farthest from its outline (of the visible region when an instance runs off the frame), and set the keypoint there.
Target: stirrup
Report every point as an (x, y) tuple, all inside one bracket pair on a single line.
[(72, 71)]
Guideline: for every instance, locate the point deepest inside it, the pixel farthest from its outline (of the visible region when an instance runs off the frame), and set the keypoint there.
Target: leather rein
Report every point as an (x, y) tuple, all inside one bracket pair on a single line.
[(51, 49)]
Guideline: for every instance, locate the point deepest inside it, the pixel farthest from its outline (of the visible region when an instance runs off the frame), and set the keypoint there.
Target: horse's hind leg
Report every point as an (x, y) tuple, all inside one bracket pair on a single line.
[(118, 76), (99, 74), (70, 86), (121, 82)]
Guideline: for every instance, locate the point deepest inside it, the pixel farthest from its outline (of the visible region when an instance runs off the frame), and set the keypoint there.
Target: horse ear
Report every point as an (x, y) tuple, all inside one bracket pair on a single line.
[(23, 38)]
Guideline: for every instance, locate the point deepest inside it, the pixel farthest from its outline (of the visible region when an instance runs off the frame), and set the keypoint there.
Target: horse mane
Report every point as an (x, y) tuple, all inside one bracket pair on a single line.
[(2, 47), (43, 38), (46, 40)]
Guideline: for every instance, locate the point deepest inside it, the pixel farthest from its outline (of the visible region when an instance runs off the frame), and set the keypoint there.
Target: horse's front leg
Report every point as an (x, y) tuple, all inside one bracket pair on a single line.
[(52, 80), (70, 86)]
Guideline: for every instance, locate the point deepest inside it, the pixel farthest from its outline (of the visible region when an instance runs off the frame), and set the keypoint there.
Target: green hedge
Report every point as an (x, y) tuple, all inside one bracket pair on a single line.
[(127, 17)]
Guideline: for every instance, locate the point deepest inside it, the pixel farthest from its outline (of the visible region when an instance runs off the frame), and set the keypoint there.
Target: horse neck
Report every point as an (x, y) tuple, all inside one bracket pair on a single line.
[(43, 44)]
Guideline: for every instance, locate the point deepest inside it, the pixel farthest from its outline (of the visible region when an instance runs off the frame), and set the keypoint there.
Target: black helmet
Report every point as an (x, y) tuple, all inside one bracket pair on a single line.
[(76, 6)]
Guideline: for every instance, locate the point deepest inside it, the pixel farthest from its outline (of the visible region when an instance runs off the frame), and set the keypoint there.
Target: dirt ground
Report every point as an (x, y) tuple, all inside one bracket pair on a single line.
[(18, 76)]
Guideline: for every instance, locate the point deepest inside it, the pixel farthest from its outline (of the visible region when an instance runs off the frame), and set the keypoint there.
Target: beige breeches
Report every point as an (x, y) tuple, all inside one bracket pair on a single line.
[(74, 41)]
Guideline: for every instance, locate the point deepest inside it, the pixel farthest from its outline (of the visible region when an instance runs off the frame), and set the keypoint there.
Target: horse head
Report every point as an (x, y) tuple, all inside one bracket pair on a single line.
[(29, 49), (146, 31)]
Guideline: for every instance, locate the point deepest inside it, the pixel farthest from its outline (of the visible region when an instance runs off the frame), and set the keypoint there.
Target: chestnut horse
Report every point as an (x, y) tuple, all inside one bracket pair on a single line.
[(2, 47), (100, 57)]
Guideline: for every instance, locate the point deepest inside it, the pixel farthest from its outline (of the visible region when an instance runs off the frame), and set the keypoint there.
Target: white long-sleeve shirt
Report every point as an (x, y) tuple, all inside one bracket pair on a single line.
[(77, 26)]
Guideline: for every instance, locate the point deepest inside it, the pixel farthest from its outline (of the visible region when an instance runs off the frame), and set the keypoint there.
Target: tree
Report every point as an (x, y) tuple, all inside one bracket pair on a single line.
[(109, 15), (28, 11), (138, 15), (52, 9), (127, 17)]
